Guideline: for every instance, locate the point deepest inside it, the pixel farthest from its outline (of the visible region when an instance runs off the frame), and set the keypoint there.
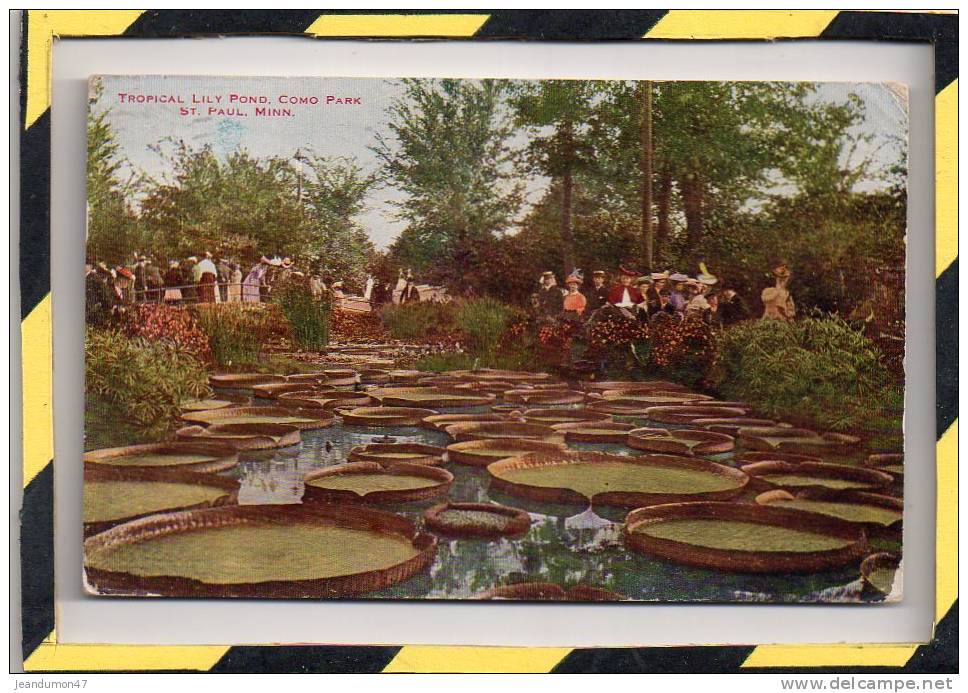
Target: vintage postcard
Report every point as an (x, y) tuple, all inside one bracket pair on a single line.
[(495, 339)]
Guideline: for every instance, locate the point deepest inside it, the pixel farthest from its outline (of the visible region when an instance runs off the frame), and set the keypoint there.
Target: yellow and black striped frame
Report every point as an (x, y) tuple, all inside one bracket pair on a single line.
[(41, 651)]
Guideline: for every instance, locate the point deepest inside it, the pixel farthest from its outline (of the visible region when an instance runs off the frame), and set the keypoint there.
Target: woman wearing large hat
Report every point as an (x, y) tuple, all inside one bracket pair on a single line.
[(623, 294), (777, 300)]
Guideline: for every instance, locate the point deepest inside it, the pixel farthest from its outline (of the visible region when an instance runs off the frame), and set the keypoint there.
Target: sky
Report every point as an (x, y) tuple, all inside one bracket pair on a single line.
[(344, 120)]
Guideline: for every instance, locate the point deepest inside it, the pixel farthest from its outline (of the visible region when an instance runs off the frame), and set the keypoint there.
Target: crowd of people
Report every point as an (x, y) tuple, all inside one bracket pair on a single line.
[(204, 279), (667, 295), (208, 279)]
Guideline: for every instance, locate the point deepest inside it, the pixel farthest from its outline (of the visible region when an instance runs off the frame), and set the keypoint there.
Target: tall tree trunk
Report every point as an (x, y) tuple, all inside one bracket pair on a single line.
[(645, 165), (664, 209), (567, 188), (692, 202)]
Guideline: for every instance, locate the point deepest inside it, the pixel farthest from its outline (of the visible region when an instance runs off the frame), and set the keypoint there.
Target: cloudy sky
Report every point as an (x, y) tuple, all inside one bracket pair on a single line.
[(147, 109)]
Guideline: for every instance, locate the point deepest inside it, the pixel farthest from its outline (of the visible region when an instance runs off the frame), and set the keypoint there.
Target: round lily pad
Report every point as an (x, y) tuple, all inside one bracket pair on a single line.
[(554, 417), (795, 440), (621, 480), (393, 453), (478, 520), (480, 453), (730, 425), (440, 397), (314, 550), (113, 494), (324, 399), (243, 436), (273, 390), (442, 421), (679, 441), (865, 513), (815, 475), (371, 482), (203, 404), (385, 416), (632, 385), (243, 380), (743, 537), (192, 456), (300, 418), (503, 430), (595, 431), (534, 396), (688, 414)]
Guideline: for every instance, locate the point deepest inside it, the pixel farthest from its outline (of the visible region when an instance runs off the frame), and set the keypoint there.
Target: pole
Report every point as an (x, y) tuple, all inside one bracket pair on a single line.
[(645, 99)]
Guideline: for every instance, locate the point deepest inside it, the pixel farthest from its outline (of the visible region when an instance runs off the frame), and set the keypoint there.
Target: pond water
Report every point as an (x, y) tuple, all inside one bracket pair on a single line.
[(567, 544)]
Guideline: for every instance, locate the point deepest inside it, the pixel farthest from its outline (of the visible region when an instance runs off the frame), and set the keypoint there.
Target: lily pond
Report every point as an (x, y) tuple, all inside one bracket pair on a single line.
[(567, 544)]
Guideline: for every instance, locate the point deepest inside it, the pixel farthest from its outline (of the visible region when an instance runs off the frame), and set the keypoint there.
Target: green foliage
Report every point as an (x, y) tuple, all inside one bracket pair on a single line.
[(235, 331), (817, 370), (427, 320), (483, 322), (449, 154), (145, 380), (308, 317), (112, 226)]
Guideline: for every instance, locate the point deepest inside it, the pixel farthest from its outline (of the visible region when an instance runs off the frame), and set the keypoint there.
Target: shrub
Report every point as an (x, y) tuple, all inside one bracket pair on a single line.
[(146, 380), (816, 370), (682, 351), (235, 331), (424, 321), (483, 322), (173, 324), (308, 316)]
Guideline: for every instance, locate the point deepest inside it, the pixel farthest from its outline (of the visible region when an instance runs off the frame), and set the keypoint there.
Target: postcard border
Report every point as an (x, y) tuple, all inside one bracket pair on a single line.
[(39, 28)]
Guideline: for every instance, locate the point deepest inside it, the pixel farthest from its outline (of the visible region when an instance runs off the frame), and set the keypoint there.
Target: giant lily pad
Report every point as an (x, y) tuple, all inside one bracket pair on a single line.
[(243, 380), (194, 456), (373, 483), (679, 441), (394, 453), (324, 399), (871, 510), (815, 475), (480, 453), (300, 418), (795, 440), (203, 404), (555, 417), (688, 414), (631, 385), (113, 495), (743, 537), (385, 416), (442, 421), (243, 436), (313, 550), (730, 425), (892, 463), (440, 397), (604, 479), (595, 431), (503, 430), (537, 396)]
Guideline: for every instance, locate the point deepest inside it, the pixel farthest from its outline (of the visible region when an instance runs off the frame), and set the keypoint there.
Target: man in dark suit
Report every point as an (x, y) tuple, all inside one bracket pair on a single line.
[(597, 294)]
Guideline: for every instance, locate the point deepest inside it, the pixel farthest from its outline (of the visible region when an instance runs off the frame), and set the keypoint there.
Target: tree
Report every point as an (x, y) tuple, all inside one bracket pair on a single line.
[(112, 225), (557, 114), (449, 155)]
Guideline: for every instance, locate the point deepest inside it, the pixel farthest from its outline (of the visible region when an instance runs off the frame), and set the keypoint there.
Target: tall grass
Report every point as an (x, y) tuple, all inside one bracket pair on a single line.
[(308, 317), (427, 320), (235, 331), (483, 322)]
